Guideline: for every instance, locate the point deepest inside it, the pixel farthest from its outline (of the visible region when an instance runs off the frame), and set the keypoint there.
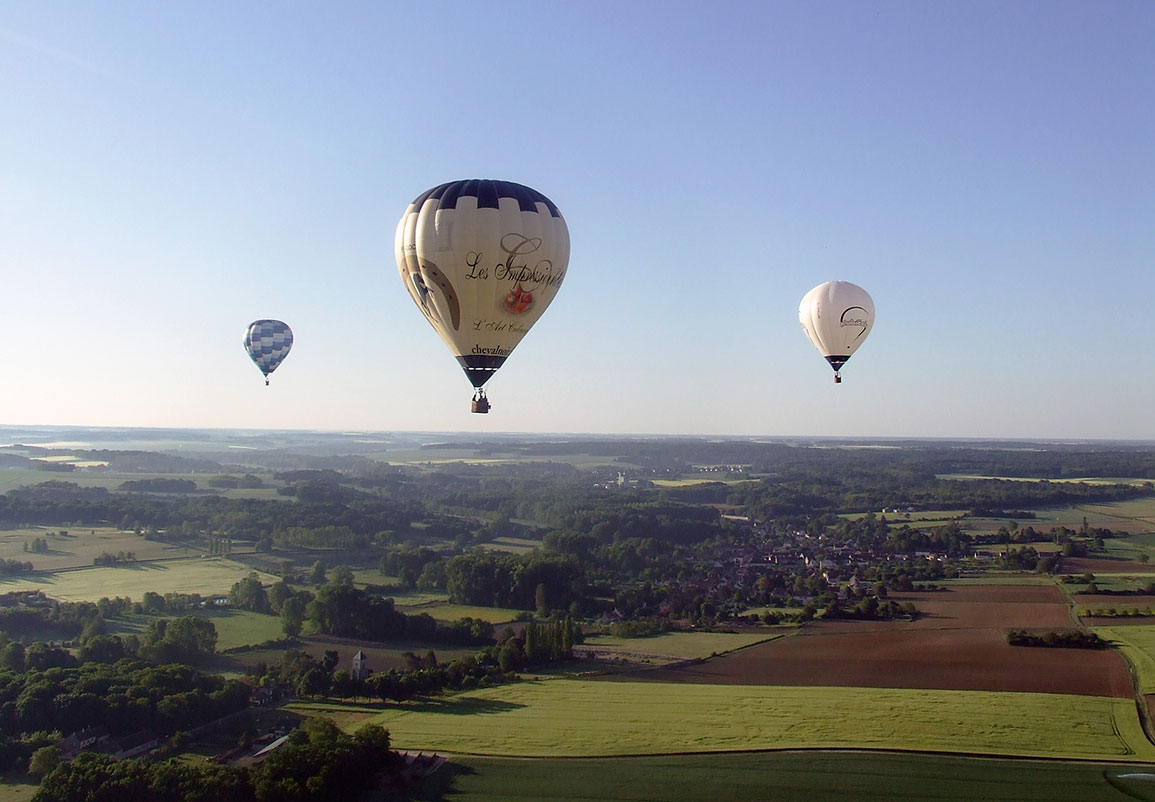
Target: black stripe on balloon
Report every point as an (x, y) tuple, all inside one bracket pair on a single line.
[(837, 362), (479, 368), (488, 193)]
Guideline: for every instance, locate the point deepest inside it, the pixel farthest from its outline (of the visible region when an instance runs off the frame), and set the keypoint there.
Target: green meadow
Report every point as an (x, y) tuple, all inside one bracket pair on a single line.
[(784, 777), (452, 612), (235, 628), (511, 545), (81, 545), (206, 576), (1137, 642), (576, 718)]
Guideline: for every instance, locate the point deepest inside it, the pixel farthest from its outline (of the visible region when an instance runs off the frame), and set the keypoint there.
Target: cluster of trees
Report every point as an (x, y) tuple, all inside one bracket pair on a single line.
[(333, 537), (9, 567), (1066, 639), (33, 614), (872, 608), (497, 579), (159, 484), (342, 609), (188, 639), (39, 545), (190, 516), (302, 675), (317, 761), (108, 558), (248, 481), (127, 696)]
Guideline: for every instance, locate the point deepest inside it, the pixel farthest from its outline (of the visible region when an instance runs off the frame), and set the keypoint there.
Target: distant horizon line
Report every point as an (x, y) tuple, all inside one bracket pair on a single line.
[(593, 435)]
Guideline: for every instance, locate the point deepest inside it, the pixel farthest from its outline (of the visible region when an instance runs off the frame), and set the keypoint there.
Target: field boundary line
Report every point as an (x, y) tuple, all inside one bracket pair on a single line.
[(1088, 761)]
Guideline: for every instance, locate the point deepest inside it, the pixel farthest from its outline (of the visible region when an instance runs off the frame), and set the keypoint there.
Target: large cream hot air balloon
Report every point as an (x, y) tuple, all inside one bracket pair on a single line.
[(482, 260), (836, 316)]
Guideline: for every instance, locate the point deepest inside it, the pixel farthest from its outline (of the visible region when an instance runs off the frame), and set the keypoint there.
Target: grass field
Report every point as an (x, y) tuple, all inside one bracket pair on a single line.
[(680, 645), (81, 545), (204, 576), (452, 612), (569, 718), (1137, 642), (690, 481), (511, 545), (439, 456), (17, 788), (235, 628), (1133, 547), (21, 477), (1090, 480), (1129, 581), (999, 578), (784, 777)]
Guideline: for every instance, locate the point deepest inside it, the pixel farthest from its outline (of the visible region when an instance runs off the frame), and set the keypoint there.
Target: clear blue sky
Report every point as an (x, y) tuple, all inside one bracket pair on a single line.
[(986, 170)]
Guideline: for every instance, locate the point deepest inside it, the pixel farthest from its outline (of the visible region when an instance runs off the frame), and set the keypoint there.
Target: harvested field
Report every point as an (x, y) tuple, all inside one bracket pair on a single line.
[(973, 606), (957, 645), (1113, 600), (1099, 565), (958, 659)]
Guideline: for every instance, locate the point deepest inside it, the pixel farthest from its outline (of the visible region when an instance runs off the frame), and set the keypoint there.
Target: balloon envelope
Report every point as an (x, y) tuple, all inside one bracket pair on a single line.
[(836, 316), (268, 343), (482, 260)]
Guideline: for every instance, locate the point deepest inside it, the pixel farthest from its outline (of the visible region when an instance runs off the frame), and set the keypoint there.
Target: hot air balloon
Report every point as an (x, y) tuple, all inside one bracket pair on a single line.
[(482, 260), (268, 343), (836, 316)]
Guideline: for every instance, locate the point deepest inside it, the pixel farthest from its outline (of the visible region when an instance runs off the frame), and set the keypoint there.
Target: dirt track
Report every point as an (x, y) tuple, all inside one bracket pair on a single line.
[(958, 644)]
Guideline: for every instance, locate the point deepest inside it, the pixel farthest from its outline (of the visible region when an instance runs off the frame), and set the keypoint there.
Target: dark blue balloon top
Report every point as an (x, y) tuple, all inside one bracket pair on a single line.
[(487, 193)]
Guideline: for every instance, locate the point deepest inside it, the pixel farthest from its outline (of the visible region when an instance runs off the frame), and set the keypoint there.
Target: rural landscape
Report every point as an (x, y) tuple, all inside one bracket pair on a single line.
[(572, 618)]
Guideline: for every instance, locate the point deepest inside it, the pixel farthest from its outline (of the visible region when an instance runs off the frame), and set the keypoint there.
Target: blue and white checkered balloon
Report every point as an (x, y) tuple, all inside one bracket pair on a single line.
[(268, 343)]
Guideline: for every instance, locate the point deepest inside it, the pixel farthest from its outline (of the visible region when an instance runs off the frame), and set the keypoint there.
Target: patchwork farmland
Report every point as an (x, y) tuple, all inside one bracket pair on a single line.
[(957, 644)]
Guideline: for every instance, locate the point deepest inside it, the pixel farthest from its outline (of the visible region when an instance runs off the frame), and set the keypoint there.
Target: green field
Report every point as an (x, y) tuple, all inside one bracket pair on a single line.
[(440, 456), (991, 577), (17, 788), (784, 777), (690, 481), (452, 612), (1137, 642), (235, 628), (206, 576), (1132, 547), (574, 718), (681, 645), (511, 545), (21, 477), (1130, 581), (1090, 480), (81, 545)]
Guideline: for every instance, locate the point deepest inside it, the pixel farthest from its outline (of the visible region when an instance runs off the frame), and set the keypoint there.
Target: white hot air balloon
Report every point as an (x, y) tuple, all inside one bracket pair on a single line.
[(836, 316), (482, 260)]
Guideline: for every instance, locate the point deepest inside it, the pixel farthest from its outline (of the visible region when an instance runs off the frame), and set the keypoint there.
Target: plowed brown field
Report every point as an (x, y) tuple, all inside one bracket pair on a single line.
[(1100, 565), (957, 644)]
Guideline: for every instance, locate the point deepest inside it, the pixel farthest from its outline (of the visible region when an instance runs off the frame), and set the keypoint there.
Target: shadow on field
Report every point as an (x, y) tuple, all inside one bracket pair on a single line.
[(462, 706), (437, 786)]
